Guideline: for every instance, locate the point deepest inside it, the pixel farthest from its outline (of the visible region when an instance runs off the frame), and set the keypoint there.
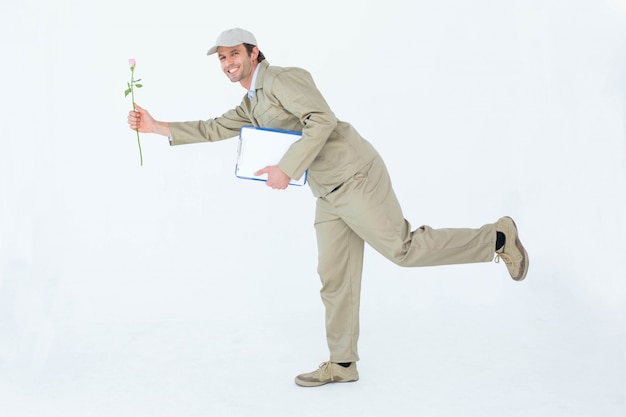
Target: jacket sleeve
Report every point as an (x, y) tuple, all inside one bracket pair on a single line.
[(212, 130), (298, 94)]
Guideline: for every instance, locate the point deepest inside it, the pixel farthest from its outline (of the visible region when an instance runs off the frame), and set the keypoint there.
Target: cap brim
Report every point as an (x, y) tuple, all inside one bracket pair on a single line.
[(214, 49)]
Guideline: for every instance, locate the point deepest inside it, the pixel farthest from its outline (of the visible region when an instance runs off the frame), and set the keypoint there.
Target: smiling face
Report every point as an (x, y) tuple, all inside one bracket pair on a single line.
[(237, 64)]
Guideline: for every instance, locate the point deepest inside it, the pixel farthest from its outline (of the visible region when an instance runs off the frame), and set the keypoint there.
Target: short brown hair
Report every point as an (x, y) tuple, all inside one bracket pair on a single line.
[(249, 49)]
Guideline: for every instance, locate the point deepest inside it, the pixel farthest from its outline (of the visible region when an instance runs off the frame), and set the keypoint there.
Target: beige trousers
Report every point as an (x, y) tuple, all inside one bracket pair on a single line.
[(365, 209)]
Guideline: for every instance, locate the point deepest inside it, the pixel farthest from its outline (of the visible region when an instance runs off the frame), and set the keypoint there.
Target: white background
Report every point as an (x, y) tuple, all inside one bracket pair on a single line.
[(175, 289)]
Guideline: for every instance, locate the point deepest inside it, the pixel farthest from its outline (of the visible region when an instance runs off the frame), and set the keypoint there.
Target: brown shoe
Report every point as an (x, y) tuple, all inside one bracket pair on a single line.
[(328, 372), (512, 253)]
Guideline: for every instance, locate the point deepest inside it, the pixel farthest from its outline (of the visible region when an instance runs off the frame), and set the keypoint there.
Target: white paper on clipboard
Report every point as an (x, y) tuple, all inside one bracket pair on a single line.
[(261, 147)]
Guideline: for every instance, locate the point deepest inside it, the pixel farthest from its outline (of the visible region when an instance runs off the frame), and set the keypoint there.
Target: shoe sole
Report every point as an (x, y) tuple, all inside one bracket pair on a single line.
[(520, 247), (311, 384)]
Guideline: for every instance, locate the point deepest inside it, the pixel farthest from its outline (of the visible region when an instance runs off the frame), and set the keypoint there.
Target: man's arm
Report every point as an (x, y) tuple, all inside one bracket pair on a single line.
[(223, 127), (219, 128), (298, 94)]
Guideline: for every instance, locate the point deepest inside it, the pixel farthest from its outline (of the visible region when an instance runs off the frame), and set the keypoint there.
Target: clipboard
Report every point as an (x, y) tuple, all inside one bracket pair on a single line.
[(260, 147)]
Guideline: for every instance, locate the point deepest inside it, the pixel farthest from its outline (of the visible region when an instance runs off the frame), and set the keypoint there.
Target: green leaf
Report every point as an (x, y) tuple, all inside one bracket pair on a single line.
[(127, 92), (138, 80), (138, 85)]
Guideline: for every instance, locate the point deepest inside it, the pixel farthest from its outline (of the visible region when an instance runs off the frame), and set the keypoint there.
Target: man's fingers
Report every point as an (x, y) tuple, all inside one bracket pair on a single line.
[(261, 171), (134, 119)]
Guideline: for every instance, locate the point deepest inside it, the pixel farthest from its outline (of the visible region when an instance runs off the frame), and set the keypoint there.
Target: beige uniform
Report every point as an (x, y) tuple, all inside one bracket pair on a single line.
[(355, 199)]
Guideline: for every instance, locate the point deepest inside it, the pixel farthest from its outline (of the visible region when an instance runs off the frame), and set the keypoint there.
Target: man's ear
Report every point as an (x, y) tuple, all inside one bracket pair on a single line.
[(255, 53)]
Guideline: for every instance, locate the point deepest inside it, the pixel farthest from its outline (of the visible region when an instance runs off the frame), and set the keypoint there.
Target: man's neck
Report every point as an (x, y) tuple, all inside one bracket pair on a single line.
[(248, 82)]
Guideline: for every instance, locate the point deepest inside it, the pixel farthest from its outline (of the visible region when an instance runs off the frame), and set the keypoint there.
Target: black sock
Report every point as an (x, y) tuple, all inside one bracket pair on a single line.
[(500, 239), (345, 364)]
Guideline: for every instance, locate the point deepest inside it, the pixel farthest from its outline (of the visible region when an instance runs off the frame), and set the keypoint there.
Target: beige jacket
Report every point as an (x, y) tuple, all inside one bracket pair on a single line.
[(287, 98)]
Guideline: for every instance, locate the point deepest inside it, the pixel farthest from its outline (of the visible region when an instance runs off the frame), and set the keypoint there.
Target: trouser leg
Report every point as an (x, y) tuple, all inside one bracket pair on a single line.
[(365, 208), (340, 267), (368, 205)]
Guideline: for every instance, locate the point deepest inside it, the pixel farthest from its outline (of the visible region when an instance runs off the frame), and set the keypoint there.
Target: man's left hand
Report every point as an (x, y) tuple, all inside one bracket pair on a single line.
[(276, 178)]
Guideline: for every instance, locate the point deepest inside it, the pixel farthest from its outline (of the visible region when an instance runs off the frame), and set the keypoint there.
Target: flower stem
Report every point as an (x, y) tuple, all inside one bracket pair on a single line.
[(139, 143), (132, 92)]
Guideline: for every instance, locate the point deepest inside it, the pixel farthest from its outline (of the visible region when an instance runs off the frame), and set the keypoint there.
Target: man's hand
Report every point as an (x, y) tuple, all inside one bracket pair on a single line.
[(145, 123), (276, 178)]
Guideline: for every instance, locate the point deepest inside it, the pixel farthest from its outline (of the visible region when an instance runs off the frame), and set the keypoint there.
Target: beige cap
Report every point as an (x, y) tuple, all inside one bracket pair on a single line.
[(233, 37)]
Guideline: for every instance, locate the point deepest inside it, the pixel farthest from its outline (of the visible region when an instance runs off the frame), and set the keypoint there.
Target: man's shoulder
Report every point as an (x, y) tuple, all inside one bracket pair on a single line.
[(274, 77), (285, 77), (274, 71)]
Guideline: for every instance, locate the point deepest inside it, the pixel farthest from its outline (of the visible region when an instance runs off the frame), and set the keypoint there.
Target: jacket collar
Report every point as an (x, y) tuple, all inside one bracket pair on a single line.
[(252, 90), (258, 82), (250, 104)]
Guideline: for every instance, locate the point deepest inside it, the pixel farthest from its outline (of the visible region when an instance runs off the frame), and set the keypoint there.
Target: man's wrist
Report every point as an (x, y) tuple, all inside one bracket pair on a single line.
[(162, 128)]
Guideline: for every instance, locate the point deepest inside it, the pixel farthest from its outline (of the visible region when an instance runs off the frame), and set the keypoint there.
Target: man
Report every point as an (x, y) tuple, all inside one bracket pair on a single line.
[(355, 199)]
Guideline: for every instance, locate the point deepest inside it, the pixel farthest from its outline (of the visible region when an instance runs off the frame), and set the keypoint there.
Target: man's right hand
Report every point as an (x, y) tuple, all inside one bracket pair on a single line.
[(142, 120)]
